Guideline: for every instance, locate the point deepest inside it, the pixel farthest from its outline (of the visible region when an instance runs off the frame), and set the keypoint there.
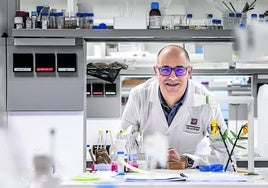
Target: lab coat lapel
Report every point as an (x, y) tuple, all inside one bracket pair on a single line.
[(182, 115), (158, 114)]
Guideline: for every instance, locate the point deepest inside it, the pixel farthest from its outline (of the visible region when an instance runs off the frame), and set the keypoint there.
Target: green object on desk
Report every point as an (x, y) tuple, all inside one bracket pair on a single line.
[(252, 174), (86, 178)]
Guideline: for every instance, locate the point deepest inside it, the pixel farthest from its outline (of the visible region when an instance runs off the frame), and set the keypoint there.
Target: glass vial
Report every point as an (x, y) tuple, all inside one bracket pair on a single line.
[(155, 16)]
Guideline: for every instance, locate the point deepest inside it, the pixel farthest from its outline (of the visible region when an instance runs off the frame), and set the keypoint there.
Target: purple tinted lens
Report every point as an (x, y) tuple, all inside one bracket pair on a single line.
[(180, 71), (165, 71)]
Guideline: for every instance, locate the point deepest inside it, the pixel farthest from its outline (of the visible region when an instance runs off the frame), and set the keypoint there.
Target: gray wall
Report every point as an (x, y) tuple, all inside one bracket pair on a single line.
[(46, 91)]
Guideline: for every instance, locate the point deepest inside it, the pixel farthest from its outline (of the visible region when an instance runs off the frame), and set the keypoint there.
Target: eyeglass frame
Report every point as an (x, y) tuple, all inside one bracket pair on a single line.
[(173, 69)]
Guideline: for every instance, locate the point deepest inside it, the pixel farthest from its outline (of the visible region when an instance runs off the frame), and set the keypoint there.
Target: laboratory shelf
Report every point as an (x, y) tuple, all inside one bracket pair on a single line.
[(143, 35), (199, 71)]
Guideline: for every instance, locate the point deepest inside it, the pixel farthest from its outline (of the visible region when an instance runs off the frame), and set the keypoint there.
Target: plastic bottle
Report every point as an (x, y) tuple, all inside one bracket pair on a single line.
[(33, 19), (155, 16), (88, 158), (44, 20), (52, 19), (28, 23), (120, 165)]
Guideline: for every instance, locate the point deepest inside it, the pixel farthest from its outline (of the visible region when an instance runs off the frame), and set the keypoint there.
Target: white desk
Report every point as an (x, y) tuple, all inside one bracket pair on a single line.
[(259, 181)]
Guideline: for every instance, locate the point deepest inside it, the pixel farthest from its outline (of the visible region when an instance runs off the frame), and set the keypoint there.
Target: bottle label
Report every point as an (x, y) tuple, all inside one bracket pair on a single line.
[(155, 22)]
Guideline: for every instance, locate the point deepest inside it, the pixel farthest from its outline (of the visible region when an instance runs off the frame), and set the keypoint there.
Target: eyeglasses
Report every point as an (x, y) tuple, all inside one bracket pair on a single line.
[(166, 70)]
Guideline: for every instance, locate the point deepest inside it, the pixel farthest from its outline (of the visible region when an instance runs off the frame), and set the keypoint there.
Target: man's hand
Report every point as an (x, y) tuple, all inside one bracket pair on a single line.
[(174, 156)]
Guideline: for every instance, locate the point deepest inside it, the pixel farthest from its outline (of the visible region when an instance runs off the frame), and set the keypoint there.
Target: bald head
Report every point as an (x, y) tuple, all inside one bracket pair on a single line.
[(173, 50)]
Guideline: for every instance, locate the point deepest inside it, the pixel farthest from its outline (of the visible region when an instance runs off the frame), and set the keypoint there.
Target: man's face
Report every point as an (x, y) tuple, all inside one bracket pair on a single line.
[(173, 84)]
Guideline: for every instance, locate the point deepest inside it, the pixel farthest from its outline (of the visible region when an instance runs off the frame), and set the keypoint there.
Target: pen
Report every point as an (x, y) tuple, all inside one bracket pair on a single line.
[(183, 175)]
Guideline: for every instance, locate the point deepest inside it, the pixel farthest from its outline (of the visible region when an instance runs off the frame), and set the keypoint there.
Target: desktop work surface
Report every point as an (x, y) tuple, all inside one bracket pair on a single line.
[(172, 178)]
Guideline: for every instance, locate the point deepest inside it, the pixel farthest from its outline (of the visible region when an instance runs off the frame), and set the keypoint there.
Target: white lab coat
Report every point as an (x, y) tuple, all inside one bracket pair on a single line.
[(190, 125)]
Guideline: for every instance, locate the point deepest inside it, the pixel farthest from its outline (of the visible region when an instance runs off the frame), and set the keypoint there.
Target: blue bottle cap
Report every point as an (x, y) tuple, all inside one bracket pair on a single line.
[(154, 5), (120, 153), (261, 15), (34, 13), (59, 13), (39, 8), (102, 26), (189, 15), (231, 14), (85, 14), (253, 15), (210, 16), (238, 15)]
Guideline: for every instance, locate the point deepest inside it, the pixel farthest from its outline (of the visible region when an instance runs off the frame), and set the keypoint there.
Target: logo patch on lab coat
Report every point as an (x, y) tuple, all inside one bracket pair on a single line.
[(193, 126), (194, 121)]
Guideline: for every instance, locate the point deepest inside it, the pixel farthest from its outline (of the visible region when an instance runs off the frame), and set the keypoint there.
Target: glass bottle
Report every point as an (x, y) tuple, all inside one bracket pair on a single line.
[(60, 20), (85, 21), (238, 17), (208, 21), (91, 20), (253, 18), (261, 18), (79, 21), (231, 20), (155, 16), (188, 21)]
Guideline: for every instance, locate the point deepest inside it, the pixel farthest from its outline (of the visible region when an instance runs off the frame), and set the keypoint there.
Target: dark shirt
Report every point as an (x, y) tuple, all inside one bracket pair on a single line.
[(171, 112)]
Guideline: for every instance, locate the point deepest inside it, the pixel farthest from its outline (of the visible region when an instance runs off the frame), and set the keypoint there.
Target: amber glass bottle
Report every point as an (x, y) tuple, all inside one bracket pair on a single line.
[(155, 16)]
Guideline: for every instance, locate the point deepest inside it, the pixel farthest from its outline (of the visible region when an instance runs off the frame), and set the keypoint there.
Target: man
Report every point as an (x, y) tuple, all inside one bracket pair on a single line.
[(165, 104)]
